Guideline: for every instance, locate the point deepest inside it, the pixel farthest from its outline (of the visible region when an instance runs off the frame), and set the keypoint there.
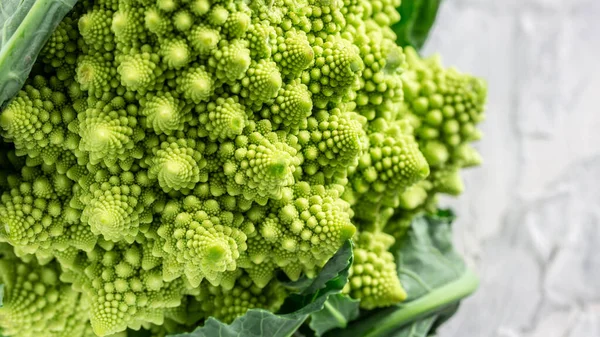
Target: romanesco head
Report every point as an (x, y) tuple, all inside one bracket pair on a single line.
[(170, 154)]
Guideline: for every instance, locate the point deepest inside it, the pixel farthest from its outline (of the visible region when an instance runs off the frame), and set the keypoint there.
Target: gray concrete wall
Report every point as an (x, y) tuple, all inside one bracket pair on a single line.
[(530, 219)]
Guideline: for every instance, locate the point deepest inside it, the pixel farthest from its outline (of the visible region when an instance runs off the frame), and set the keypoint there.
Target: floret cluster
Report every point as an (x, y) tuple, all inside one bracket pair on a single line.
[(172, 160)]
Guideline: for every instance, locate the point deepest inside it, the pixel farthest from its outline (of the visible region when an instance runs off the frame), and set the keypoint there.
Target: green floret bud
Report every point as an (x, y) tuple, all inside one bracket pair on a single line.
[(128, 25), (337, 66), (177, 166), (385, 12), (262, 167), (294, 54), (218, 15), (137, 294), (95, 29), (270, 229), (105, 135), (466, 156), (19, 207), (415, 195), (373, 275), (35, 119), (61, 47), (94, 74), (36, 216), (262, 81), (222, 119), (167, 5), (42, 188), (292, 105), (112, 209), (112, 5), (447, 104), (337, 139), (259, 36), (175, 53), (326, 17), (196, 84), (448, 181), (202, 245), (156, 22), (199, 7), (392, 163), (204, 39), (231, 61), (236, 25), (299, 234), (21, 121), (183, 20), (436, 153), (380, 93), (292, 232), (137, 71), (164, 113)]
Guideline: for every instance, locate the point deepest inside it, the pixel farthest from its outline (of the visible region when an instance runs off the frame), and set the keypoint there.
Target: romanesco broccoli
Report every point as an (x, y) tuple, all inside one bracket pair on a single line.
[(167, 159)]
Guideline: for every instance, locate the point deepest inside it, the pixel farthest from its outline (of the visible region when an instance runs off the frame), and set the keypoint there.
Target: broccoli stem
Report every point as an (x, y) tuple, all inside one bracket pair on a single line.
[(427, 305)]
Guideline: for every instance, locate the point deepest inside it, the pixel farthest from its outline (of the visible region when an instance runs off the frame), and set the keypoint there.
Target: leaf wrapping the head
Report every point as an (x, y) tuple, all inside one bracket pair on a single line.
[(296, 309), (417, 19), (25, 26)]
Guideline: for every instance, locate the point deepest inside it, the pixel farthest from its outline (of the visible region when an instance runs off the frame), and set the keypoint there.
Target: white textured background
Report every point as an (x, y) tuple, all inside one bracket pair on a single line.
[(530, 219)]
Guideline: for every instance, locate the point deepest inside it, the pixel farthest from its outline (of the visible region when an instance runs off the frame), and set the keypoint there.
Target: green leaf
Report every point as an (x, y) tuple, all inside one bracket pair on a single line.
[(338, 311), (25, 25), (416, 19), (434, 276), (296, 309), (427, 259)]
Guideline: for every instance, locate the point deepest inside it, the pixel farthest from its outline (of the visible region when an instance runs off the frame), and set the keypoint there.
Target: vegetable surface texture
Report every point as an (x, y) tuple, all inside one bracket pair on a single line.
[(178, 164)]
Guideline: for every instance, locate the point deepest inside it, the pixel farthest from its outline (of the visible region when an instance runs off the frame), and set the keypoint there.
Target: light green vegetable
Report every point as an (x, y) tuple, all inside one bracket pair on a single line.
[(203, 165)]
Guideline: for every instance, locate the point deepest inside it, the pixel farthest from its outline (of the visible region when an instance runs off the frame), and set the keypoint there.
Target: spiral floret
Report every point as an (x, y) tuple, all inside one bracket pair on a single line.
[(373, 275), (225, 118), (177, 166), (164, 113)]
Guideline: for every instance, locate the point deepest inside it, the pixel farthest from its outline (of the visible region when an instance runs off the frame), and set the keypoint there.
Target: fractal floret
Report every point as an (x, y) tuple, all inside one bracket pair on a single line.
[(168, 161)]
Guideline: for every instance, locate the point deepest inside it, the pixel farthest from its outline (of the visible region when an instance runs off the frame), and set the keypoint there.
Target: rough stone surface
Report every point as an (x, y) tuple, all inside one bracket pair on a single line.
[(529, 222)]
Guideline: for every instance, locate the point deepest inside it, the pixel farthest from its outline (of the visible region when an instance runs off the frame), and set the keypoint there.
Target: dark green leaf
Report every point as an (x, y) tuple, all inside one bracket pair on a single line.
[(25, 25), (416, 19), (296, 309), (338, 311), (434, 276)]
